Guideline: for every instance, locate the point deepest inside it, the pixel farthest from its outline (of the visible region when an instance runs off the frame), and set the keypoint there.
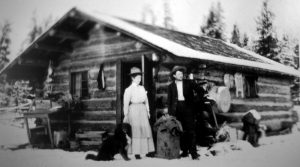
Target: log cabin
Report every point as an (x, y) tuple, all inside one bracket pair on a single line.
[(90, 55)]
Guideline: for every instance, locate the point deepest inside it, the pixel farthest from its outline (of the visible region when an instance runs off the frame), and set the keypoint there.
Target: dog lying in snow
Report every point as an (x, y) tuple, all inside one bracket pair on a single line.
[(112, 145), (223, 144), (223, 148)]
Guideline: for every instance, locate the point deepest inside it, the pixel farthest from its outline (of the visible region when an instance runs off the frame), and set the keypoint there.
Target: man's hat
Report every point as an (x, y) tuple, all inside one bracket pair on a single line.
[(135, 71), (177, 68)]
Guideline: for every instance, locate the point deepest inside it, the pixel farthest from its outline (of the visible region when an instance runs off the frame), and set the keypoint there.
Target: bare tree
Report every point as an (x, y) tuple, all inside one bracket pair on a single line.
[(5, 42), (148, 15)]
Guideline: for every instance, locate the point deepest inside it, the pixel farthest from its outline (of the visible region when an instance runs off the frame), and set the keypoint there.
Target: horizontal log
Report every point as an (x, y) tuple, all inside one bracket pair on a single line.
[(274, 95), (110, 82), (108, 73), (104, 94), (96, 60), (61, 88), (67, 35), (34, 62), (107, 49), (162, 90), (163, 78), (281, 81), (84, 125), (266, 99), (93, 135), (100, 104), (266, 115), (259, 102), (94, 115), (272, 125), (60, 72), (90, 143), (267, 88), (245, 108), (53, 48), (61, 79)]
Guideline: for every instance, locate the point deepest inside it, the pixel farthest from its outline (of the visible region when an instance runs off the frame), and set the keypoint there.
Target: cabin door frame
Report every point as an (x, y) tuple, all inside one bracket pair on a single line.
[(124, 80)]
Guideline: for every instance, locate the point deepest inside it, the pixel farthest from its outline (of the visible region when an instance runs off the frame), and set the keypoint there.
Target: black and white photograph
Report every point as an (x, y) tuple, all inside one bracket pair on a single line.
[(145, 83)]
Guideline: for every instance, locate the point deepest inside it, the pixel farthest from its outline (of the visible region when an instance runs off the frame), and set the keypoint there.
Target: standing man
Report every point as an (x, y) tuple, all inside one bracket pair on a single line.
[(180, 105)]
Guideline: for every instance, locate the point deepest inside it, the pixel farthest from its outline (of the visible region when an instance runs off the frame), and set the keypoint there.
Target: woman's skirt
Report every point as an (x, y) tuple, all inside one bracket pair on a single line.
[(142, 141)]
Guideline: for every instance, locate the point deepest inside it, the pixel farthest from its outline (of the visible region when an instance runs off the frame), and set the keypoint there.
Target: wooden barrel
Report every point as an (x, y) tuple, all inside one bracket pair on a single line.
[(222, 97)]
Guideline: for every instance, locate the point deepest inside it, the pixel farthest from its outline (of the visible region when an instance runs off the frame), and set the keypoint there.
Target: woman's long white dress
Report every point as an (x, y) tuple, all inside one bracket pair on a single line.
[(136, 112)]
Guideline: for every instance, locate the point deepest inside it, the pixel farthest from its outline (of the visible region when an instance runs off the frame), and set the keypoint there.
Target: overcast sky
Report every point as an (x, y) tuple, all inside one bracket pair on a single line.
[(187, 14)]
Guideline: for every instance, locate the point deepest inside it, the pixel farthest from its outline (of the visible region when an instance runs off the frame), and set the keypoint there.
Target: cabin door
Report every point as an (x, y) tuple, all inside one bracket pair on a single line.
[(147, 80)]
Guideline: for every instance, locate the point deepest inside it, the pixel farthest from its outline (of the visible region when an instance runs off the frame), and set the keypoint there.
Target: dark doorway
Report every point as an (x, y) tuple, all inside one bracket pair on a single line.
[(147, 80)]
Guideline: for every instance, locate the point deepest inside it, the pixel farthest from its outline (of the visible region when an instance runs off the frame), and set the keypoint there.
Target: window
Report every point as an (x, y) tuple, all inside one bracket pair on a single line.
[(79, 84), (250, 87)]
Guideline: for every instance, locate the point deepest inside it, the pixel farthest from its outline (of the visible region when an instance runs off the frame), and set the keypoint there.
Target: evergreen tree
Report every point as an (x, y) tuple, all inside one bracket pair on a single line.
[(296, 51), (214, 25), (266, 45), (235, 36), (286, 54), (168, 19), (37, 29), (5, 42), (245, 40)]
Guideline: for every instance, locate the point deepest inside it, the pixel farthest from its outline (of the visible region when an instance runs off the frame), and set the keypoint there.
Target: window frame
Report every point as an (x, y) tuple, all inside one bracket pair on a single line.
[(79, 84), (251, 88)]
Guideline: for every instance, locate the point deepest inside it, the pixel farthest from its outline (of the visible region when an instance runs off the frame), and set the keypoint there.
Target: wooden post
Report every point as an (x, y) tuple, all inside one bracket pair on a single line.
[(119, 91), (50, 132), (28, 130)]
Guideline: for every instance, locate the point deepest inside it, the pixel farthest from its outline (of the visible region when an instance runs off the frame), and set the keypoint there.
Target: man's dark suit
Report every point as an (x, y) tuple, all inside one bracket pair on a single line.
[(184, 112)]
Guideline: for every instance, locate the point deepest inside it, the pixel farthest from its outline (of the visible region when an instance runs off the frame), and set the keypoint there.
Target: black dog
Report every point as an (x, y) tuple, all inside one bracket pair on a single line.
[(112, 145)]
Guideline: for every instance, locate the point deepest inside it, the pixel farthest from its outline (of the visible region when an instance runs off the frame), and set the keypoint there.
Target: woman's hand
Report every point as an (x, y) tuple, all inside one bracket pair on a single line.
[(125, 119)]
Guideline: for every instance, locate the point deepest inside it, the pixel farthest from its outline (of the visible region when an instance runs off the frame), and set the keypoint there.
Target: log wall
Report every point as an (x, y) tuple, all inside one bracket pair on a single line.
[(105, 46), (273, 102)]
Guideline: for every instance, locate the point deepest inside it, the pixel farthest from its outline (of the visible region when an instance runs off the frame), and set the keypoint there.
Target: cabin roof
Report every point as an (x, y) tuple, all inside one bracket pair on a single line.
[(178, 43)]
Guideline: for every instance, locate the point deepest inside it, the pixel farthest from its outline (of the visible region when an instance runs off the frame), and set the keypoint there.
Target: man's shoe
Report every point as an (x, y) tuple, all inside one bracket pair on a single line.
[(137, 156), (151, 154), (195, 156), (184, 154)]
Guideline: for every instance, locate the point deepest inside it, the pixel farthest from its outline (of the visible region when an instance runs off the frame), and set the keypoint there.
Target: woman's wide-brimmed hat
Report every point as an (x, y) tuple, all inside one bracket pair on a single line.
[(135, 71), (178, 68)]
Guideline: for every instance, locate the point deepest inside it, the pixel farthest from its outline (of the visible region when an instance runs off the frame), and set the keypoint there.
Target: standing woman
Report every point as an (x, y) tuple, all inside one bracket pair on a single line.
[(137, 114)]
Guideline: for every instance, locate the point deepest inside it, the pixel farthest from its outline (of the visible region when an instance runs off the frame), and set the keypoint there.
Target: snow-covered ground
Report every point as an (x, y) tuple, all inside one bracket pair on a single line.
[(276, 151)]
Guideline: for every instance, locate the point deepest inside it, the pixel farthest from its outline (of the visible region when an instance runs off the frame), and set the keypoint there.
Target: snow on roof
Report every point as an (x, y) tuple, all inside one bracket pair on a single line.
[(179, 49), (184, 51)]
